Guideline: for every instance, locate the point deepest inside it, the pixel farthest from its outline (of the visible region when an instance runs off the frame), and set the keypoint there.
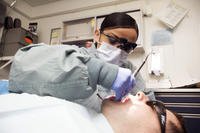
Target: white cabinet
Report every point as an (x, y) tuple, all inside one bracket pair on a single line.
[(137, 15), (79, 31)]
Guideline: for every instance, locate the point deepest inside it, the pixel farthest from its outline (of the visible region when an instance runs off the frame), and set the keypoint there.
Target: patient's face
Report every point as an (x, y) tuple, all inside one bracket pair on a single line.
[(134, 114)]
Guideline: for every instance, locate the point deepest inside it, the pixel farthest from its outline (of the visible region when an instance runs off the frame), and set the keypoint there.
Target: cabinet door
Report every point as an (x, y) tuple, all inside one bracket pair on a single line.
[(137, 15), (77, 31)]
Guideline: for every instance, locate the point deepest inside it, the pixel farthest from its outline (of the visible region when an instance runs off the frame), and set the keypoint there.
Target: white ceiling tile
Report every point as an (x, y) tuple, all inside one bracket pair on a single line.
[(34, 3)]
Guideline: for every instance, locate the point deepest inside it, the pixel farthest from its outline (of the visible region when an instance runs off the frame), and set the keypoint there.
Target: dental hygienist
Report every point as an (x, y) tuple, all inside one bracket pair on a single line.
[(116, 39)]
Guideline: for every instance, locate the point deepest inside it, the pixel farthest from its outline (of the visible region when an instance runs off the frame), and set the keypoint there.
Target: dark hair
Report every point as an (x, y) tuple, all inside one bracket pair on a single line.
[(119, 20), (173, 128)]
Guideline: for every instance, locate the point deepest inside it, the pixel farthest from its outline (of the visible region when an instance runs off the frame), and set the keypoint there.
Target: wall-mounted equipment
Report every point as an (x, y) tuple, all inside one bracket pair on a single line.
[(156, 62), (2, 13), (16, 38)]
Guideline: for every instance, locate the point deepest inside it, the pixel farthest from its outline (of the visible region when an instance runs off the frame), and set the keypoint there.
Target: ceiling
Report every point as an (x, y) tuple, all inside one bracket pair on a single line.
[(37, 9), (34, 3)]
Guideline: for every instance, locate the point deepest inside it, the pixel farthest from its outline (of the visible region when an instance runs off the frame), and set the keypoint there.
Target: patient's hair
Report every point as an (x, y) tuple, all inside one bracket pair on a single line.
[(173, 128)]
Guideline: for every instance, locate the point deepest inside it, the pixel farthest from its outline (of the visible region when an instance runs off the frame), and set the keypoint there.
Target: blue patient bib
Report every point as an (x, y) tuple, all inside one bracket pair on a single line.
[(3, 86)]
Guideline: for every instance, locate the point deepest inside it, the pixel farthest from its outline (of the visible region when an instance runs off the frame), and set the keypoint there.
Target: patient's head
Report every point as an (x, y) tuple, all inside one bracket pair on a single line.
[(137, 114)]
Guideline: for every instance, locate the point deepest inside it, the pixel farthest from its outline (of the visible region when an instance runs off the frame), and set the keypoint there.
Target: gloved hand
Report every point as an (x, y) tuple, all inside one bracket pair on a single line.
[(123, 83)]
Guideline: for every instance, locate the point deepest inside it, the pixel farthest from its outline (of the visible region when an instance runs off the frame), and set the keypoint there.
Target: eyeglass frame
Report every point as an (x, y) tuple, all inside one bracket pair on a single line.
[(122, 41), (161, 113)]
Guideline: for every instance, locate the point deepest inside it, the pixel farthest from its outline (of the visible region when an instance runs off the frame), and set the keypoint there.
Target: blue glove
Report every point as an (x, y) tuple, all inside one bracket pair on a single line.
[(123, 83)]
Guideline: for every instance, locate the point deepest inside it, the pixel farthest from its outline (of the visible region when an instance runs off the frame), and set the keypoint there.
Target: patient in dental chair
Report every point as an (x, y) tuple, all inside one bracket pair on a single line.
[(27, 113)]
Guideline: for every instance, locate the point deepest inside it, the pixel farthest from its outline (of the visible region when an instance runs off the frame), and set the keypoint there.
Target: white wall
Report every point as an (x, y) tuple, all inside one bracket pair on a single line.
[(181, 59)]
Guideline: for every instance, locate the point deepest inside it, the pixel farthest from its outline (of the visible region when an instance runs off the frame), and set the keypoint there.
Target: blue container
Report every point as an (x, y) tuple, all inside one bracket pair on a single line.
[(3, 86)]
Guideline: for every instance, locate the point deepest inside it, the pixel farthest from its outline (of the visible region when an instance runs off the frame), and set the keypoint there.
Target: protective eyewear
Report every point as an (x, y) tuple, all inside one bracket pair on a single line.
[(160, 109), (124, 44)]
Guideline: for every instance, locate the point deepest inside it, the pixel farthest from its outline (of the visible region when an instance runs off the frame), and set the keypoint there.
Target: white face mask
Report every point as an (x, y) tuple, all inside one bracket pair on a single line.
[(111, 54)]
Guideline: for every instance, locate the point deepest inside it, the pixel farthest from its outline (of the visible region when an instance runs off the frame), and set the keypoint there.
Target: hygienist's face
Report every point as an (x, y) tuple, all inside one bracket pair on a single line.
[(133, 115), (129, 34)]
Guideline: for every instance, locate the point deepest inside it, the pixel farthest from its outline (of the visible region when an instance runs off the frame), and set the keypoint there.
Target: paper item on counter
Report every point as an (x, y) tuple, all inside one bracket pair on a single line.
[(162, 84), (185, 83), (172, 14), (181, 77)]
